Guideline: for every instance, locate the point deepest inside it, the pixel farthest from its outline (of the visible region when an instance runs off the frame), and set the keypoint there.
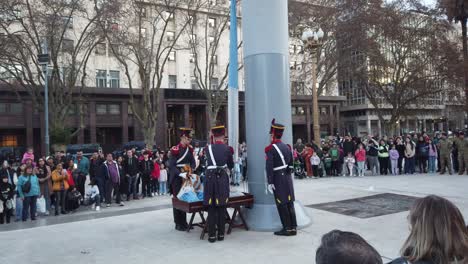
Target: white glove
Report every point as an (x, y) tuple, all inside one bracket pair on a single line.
[(271, 188)]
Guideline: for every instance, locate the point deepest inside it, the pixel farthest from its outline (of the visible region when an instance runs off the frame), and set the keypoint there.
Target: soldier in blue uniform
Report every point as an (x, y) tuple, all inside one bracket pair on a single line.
[(216, 187), (181, 155), (279, 165)]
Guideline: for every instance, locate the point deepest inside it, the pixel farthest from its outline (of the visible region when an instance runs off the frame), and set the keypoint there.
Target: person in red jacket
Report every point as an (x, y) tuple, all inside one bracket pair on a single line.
[(360, 155), (154, 182)]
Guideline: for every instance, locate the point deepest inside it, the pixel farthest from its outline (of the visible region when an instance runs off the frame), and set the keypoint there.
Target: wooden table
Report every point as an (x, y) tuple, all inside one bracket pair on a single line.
[(235, 203)]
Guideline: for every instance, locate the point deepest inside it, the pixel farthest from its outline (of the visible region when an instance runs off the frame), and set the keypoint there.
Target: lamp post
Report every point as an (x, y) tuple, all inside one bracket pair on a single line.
[(43, 60), (312, 41)]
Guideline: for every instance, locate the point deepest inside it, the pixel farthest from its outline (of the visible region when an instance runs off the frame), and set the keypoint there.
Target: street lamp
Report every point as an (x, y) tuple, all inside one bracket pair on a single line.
[(312, 41)]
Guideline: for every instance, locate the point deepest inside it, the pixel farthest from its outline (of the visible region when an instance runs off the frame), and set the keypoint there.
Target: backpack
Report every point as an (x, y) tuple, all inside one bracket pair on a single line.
[(26, 188), (334, 154)]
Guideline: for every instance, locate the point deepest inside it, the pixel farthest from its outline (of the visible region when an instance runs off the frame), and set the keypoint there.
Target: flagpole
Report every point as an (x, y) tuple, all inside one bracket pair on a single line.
[(233, 86)]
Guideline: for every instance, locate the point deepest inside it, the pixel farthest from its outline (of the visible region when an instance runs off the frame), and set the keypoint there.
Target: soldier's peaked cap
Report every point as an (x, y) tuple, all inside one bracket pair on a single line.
[(218, 131), (185, 131), (276, 128)]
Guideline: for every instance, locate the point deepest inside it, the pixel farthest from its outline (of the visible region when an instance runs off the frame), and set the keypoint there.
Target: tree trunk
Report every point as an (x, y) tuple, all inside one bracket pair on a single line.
[(465, 61), (148, 135)]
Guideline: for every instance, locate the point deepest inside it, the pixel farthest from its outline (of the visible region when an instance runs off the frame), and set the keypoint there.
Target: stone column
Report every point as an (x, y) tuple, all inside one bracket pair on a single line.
[(124, 115), (369, 126), (331, 120), (338, 122), (187, 115), (92, 121), (379, 127), (308, 124)]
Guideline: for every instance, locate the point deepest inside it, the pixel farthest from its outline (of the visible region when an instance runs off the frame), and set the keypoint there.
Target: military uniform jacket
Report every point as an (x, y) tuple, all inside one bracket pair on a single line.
[(279, 172), (445, 147), (180, 155), (216, 186)]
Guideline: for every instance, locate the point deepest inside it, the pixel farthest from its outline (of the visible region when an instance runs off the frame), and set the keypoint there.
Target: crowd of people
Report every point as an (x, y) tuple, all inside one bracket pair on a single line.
[(408, 154), (58, 183)]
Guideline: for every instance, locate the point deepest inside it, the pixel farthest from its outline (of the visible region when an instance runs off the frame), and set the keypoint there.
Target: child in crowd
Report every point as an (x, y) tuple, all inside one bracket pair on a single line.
[(315, 161), (6, 199), (394, 155), (93, 195), (328, 162), (162, 180), (28, 155), (154, 184), (350, 161)]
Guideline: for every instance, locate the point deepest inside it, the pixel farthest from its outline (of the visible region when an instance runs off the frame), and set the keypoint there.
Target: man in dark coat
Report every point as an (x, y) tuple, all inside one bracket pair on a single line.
[(216, 189), (131, 169), (181, 155), (279, 165)]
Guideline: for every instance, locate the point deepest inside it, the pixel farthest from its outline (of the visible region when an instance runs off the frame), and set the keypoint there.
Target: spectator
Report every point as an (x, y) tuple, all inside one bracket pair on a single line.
[(146, 167), (409, 156), (394, 156), (7, 193), (60, 187), (93, 195), (50, 163), (432, 156), (422, 152), (8, 172), (123, 187), (154, 182), (130, 166), (72, 174), (28, 195), (82, 164), (110, 172), (45, 182), (28, 155), (400, 147), (162, 180), (94, 164), (372, 156), (360, 155), (328, 164), (19, 202), (383, 157), (307, 154), (438, 233), (315, 161), (338, 247), (350, 161), (335, 157)]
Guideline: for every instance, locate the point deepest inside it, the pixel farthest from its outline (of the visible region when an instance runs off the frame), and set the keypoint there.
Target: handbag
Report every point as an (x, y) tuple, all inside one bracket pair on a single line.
[(26, 188), (41, 205)]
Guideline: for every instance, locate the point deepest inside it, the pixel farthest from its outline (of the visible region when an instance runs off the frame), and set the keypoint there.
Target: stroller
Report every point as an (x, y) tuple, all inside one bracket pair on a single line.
[(299, 171)]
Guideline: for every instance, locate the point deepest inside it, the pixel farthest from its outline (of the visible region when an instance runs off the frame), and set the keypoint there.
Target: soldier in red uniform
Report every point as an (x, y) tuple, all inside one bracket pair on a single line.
[(216, 189), (181, 155), (279, 165)]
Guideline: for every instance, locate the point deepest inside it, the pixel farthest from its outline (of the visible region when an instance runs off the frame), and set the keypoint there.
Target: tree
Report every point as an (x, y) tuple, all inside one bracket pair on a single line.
[(457, 10), (398, 57), (206, 35), (70, 30), (144, 38)]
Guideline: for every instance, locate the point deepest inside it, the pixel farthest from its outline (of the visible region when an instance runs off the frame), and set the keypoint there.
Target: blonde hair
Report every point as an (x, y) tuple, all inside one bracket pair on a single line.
[(438, 232)]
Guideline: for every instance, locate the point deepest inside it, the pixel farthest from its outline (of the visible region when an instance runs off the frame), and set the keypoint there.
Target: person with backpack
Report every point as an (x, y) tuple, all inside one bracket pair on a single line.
[(422, 153), (28, 190), (384, 159), (372, 156)]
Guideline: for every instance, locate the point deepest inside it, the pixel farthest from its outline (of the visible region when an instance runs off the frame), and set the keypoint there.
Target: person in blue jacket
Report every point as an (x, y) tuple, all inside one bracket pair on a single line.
[(29, 197)]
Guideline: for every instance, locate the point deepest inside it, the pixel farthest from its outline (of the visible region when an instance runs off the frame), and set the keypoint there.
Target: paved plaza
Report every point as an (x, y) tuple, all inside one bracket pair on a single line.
[(143, 232)]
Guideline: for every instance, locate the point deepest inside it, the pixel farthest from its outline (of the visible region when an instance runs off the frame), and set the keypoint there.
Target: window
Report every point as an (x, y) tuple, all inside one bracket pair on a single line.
[(68, 22), (292, 49), (101, 79), (172, 81), (192, 58), (114, 48), (299, 49), (172, 56), (16, 108), (194, 84), (143, 32), (101, 109), (9, 141), (113, 26), (114, 109), (193, 39), (215, 60), (192, 19), (170, 35), (68, 45), (213, 2), (168, 15), (3, 107), (143, 12), (212, 22), (214, 84), (114, 79), (101, 49)]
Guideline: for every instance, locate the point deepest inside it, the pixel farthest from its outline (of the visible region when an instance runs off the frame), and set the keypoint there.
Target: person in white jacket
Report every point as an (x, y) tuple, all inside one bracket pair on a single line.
[(93, 195), (315, 161), (350, 161)]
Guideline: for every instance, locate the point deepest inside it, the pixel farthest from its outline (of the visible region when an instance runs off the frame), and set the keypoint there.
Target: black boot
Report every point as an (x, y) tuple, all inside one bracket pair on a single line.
[(282, 232), (212, 239)]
